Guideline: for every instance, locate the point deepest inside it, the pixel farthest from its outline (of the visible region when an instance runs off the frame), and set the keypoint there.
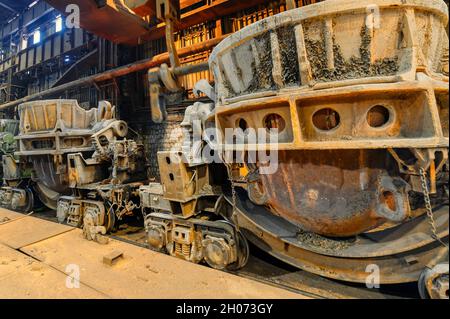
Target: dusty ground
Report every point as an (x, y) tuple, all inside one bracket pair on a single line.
[(34, 264)]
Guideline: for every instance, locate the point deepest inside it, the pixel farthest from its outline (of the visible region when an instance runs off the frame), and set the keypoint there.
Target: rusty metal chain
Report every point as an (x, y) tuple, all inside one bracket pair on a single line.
[(233, 195), (429, 209)]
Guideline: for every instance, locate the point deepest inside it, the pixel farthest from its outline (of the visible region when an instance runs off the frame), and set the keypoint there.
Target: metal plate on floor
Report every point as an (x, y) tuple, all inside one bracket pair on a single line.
[(24, 277), (7, 216), (142, 273), (28, 230)]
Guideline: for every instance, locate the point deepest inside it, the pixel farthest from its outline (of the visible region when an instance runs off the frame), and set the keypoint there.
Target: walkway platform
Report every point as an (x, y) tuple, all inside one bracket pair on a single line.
[(37, 257)]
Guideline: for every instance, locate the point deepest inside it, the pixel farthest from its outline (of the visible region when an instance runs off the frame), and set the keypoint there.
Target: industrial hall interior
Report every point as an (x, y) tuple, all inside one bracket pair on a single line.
[(224, 149)]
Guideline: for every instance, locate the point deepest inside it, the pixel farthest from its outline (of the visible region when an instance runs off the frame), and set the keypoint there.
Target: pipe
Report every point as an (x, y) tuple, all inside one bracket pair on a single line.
[(191, 68), (123, 70)]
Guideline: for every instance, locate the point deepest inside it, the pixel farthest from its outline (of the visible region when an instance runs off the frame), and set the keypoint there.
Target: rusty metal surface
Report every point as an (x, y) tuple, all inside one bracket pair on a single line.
[(127, 26), (28, 230), (70, 148), (275, 238), (48, 130), (317, 286), (334, 41), (55, 127), (411, 235), (435, 281), (336, 192), (321, 191), (346, 103)]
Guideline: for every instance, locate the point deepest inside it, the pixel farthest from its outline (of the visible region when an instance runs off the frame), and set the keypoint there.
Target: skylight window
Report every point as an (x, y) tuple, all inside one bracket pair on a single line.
[(37, 36), (24, 43), (33, 4), (58, 24)]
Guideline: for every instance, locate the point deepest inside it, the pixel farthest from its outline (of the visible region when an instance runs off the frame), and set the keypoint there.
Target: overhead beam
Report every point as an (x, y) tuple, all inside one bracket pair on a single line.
[(8, 7), (114, 21), (217, 9), (118, 72), (130, 28), (142, 7)]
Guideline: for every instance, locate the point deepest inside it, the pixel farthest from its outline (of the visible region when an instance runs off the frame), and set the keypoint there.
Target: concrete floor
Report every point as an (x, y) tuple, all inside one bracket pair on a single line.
[(36, 257)]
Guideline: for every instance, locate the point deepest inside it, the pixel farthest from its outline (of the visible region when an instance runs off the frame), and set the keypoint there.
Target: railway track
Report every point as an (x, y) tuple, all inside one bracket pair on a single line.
[(266, 269)]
